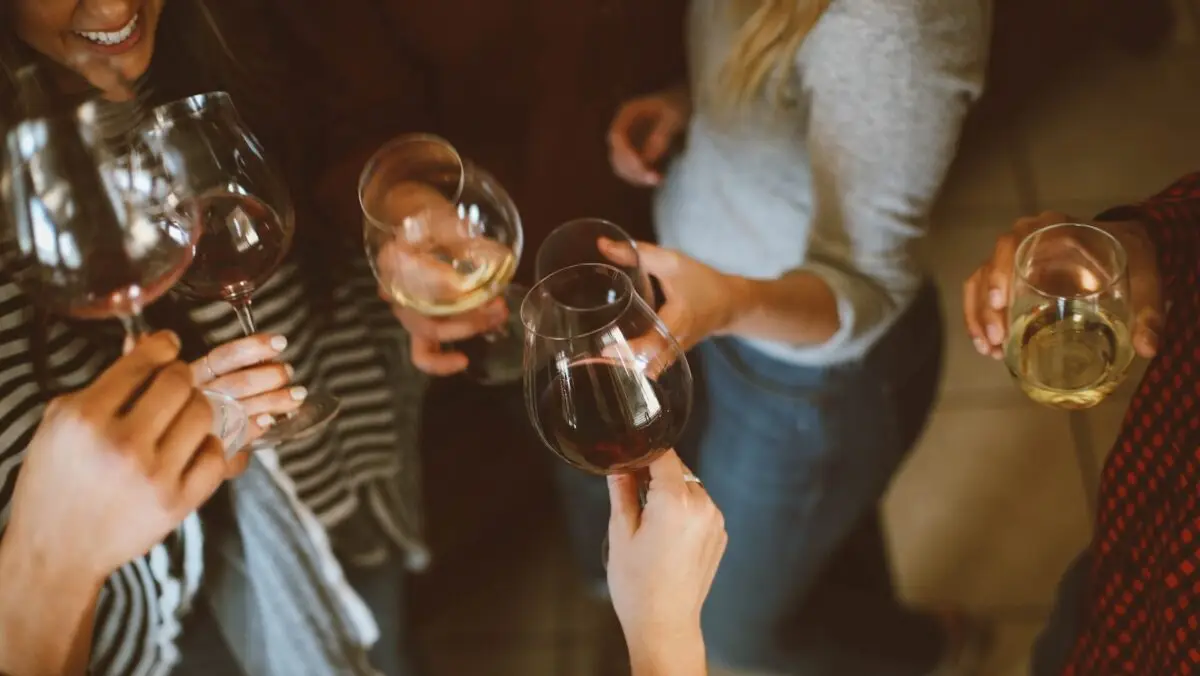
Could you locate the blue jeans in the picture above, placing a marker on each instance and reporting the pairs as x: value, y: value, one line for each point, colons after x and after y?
x: 797, y: 458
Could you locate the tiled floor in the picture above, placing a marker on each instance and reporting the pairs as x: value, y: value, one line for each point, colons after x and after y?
x: 998, y: 498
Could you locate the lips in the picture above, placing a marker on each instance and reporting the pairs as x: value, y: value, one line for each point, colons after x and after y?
x: 117, y: 40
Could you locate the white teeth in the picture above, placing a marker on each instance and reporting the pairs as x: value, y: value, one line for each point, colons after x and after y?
x: 110, y: 38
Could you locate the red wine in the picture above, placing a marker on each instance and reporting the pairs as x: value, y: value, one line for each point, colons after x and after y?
x: 118, y: 299
x: 604, y: 418
x: 242, y: 242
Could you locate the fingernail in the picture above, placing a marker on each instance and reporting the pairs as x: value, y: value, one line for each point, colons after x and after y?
x: 279, y: 343
x: 289, y: 370
x: 982, y: 346
x: 996, y: 299
x: 265, y: 420
x: 995, y: 334
x: 298, y: 393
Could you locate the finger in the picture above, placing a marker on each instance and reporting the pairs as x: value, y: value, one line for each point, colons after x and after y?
x: 666, y: 475
x: 972, y: 313
x: 274, y: 403
x: 457, y: 327
x: 1145, y: 295
x: 253, y: 381
x: 625, y: 512
x: 186, y: 433
x: 623, y: 254
x: 237, y: 355
x: 658, y: 141
x: 627, y: 161
x: 203, y: 475
x: 237, y: 464
x: 998, y: 281
x: 168, y: 393
x: 429, y: 358
x: 116, y: 385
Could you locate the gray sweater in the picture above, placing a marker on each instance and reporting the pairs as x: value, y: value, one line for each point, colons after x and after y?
x: 839, y: 179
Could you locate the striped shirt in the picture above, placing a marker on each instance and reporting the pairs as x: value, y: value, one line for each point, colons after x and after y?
x: 357, y: 479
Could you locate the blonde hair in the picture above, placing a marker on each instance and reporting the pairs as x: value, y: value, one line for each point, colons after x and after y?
x: 765, y: 45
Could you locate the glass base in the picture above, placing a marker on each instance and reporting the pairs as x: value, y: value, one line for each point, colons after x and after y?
x: 229, y: 421
x: 316, y: 412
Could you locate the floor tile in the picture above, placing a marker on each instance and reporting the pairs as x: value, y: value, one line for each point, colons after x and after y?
x: 1119, y: 128
x: 989, y: 510
x: 961, y: 240
x: 501, y: 659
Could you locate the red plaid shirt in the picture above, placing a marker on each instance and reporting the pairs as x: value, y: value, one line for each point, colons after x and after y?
x: 1143, y: 611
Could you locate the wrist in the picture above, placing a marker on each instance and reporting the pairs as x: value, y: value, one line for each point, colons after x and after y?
x: 678, y: 652
x: 740, y: 300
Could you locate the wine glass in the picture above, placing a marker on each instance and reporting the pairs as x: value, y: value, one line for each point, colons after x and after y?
x: 243, y: 212
x: 443, y: 237
x: 578, y: 241
x: 1069, y: 340
x: 90, y: 233
x: 607, y: 387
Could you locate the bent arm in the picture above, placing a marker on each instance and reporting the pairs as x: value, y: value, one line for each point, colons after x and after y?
x: 888, y: 92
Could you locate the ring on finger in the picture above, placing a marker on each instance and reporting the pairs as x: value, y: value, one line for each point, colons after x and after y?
x: 690, y: 478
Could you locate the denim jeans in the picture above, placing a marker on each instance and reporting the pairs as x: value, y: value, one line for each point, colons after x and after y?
x: 797, y: 458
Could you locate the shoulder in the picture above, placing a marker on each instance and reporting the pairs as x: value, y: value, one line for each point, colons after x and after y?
x: 915, y: 39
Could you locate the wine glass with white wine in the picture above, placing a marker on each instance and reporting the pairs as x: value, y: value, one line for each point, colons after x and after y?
x: 1069, y: 317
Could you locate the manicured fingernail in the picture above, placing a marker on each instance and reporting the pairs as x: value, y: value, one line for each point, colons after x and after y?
x: 996, y: 299
x: 982, y: 346
x: 995, y: 333
x: 289, y: 370
x: 265, y: 420
x: 298, y: 393
x: 279, y: 343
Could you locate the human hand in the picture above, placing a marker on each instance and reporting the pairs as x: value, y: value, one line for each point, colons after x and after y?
x: 246, y: 369
x: 699, y: 301
x: 661, y: 562
x: 987, y: 292
x: 642, y: 132
x: 106, y: 478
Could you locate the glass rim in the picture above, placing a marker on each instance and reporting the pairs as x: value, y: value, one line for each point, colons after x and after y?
x: 1027, y: 242
x: 562, y: 229
x: 373, y: 162
x: 626, y: 300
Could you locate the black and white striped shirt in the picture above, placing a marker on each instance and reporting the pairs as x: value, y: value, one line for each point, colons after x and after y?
x: 362, y: 468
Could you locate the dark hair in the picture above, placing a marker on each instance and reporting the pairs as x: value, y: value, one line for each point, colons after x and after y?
x: 200, y: 47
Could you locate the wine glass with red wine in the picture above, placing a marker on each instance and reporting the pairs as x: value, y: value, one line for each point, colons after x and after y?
x: 242, y: 209
x: 443, y: 238
x: 91, y: 234
x: 607, y: 387
x: 578, y: 241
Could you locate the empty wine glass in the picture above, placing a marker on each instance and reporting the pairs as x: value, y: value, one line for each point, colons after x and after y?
x: 1069, y: 344
x: 607, y: 387
x: 443, y: 238
x: 90, y: 234
x: 578, y: 241
x: 244, y: 215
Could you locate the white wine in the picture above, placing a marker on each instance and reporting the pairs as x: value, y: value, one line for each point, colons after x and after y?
x: 444, y: 281
x: 1068, y: 354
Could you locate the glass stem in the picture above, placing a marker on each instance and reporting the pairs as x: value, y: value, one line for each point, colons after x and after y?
x: 136, y: 327
x: 245, y: 317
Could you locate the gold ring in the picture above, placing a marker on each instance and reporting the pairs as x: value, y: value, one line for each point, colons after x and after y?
x: 690, y: 478
x: 212, y: 375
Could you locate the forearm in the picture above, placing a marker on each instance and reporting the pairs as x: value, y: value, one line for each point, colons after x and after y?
x: 799, y: 308
x: 46, y: 614
x: 681, y: 655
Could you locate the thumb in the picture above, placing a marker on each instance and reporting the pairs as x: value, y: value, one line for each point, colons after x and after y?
x: 626, y: 512
x: 658, y: 262
x: 1145, y: 299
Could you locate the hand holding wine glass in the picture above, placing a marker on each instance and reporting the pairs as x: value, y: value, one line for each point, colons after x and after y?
x: 1071, y: 312
x: 244, y: 214
x: 662, y: 561
x: 443, y: 238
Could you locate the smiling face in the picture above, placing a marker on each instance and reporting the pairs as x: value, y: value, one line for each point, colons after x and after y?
x: 71, y: 32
